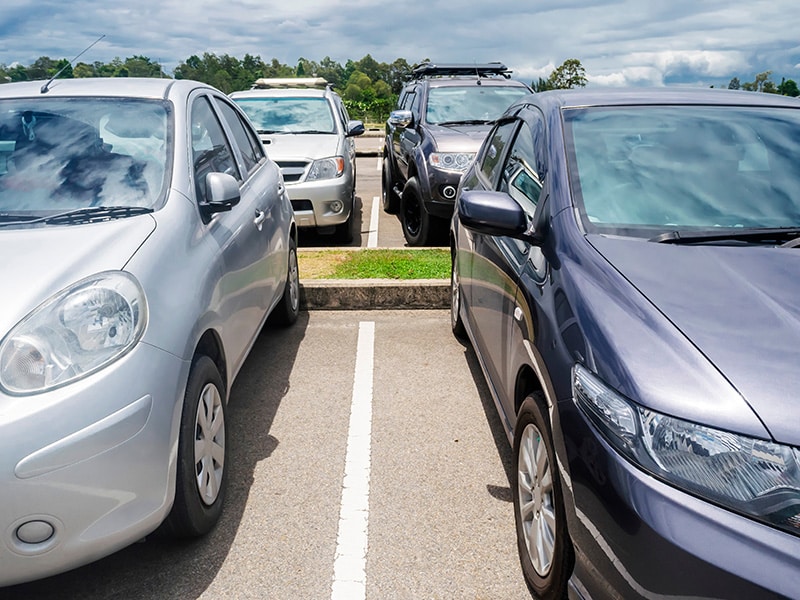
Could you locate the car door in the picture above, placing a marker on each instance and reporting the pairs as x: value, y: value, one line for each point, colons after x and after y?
x: 405, y: 139
x: 238, y: 234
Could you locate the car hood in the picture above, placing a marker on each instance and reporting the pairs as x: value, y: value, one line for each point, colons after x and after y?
x: 459, y: 138
x: 737, y: 305
x: 44, y: 260
x: 309, y: 146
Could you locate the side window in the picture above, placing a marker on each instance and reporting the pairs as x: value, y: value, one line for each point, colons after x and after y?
x: 493, y: 152
x: 521, y: 178
x: 407, y: 100
x: 210, y: 150
x: 251, y: 153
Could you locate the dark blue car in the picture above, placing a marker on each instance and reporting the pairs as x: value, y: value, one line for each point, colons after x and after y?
x: 626, y: 265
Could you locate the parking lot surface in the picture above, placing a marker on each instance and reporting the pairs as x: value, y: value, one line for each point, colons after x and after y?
x: 366, y: 461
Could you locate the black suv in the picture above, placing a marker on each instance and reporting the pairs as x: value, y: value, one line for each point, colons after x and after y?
x: 443, y: 114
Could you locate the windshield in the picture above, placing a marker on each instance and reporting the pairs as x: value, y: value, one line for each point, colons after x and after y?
x: 474, y: 103
x: 648, y: 169
x: 58, y: 155
x: 289, y: 115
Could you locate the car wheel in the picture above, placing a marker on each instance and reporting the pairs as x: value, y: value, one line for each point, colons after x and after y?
x: 389, y: 198
x: 545, y: 550
x: 288, y: 308
x: 201, y: 476
x: 416, y: 220
x: 455, y: 301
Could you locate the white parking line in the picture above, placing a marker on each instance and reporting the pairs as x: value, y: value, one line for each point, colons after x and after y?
x: 372, y: 240
x: 350, y: 564
x: 380, y: 164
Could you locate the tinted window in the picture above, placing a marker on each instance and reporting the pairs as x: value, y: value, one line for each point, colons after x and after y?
x: 210, y: 150
x: 665, y: 168
x: 251, y: 149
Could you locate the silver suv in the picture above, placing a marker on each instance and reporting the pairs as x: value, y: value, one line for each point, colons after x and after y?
x: 305, y: 128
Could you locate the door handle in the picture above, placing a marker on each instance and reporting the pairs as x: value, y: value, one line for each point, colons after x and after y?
x: 281, y: 189
x: 261, y: 216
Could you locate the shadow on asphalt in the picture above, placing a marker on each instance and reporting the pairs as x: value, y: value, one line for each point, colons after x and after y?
x: 181, y: 570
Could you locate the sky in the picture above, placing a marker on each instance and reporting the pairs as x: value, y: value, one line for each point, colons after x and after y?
x: 619, y: 43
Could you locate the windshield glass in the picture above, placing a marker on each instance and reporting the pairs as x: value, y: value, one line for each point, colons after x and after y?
x: 648, y: 169
x: 289, y: 115
x: 470, y: 103
x: 63, y: 154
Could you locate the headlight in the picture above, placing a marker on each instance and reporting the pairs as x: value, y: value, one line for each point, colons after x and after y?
x: 451, y: 161
x: 755, y: 477
x: 326, y: 168
x: 76, y: 332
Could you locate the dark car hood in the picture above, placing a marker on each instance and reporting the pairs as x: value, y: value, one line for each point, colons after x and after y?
x: 459, y: 138
x: 740, y: 306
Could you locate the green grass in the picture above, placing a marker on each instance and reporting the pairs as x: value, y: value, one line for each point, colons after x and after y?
x: 427, y: 263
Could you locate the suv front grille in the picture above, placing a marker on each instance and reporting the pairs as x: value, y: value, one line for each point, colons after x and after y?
x: 292, y: 170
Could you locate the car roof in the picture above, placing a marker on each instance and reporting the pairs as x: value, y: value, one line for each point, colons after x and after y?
x: 124, y: 87
x: 587, y: 97
x: 281, y: 92
x: 461, y: 81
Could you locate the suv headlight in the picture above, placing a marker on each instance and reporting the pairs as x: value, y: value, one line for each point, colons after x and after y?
x: 76, y: 332
x: 451, y: 161
x: 755, y: 477
x: 326, y: 168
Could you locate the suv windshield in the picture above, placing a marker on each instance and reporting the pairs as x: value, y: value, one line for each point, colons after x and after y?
x: 58, y: 155
x: 467, y: 104
x: 646, y: 170
x: 289, y: 115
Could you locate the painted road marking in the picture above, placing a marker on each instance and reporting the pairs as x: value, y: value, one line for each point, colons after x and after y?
x: 350, y: 564
x: 372, y: 240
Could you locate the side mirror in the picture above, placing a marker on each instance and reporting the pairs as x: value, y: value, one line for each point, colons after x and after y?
x: 222, y: 193
x: 401, y: 118
x: 494, y: 213
x: 355, y: 128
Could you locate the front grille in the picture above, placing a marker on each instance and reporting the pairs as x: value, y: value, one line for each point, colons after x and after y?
x: 292, y: 170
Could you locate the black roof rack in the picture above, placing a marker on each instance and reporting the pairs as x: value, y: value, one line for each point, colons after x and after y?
x: 428, y: 69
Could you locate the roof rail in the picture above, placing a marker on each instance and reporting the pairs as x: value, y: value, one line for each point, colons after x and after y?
x: 428, y: 69
x: 290, y: 82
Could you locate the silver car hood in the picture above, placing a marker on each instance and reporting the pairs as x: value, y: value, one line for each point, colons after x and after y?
x: 309, y: 146
x: 39, y: 262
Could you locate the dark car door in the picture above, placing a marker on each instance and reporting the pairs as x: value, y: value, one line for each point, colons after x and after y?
x: 405, y: 139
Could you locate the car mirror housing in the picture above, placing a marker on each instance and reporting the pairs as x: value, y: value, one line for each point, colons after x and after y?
x: 401, y: 118
x: 222, y: 193
x: 355, y: 128
x: 494, y: 213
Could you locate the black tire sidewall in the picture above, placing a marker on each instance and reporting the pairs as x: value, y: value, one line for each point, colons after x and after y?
x: 389, y: 199
x: 456, y: 323
x: 286, y: 313
x: 190, y: 516
x: 411, y: 194
x: 554, y: 585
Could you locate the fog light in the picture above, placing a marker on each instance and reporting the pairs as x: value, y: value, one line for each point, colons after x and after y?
x: 336, y: 206
x: 449, y: 192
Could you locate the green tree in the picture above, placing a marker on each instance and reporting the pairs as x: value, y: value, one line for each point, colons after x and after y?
x: 788, y: 87
x: 569, y: 74
x: 734, y: 84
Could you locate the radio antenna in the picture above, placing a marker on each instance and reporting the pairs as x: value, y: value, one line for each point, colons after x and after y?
x: 46, y: 86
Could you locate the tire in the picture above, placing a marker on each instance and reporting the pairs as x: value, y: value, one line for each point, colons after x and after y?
x: 288, y: 309
x: 201, y: 475
x: 390, y: 201
x: 457, y: 325
x: 415, y: 219
x: 545, y: 550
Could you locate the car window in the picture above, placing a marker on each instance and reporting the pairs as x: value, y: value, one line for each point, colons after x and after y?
x: 210, y: 150
x: 493, y: 152
x: 453, y: 104
x: 663, y: 168
x: 60, y: 153
x: 251, y: 150
x: 520, y: 176
x: 283, y: 114
x: 407, y: 100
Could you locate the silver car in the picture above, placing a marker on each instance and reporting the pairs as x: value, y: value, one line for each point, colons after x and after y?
x: 306, y: 129
x: 146, y: 238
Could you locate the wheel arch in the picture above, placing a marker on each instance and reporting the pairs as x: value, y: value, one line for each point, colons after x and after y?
x: 210, y: 345
x: 527, y: 383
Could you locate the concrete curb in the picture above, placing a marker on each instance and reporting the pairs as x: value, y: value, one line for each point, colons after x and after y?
x: 369, y: 294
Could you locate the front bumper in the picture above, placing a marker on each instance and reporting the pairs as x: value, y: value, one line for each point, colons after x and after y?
x: 638, y: 537
x: 314, y: 202
x: 89, y: 468
x: 440, y: 194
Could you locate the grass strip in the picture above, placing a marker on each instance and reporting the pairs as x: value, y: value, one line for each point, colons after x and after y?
x: 375, y: 263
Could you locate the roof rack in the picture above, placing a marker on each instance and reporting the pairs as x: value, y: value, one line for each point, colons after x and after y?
x: 428, y: 69
x: 290, y: 82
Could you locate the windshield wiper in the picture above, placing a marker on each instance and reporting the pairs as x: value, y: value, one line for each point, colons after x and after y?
x: 267, y: 131
x: 749, y: 234
x: 79, y: 215
x: 466, y: 122
x: 305, y: 131
x: 6, y: 218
